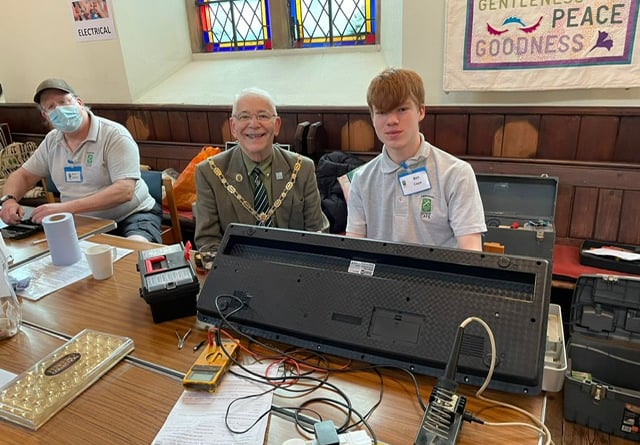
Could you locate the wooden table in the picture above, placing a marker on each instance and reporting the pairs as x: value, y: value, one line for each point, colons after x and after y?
x: 398, y: 417
x: 128, y: 405
x: 23, y: 250
x: 115, y: 306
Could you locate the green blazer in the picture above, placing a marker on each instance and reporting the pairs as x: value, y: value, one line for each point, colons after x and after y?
x: 216, y: 207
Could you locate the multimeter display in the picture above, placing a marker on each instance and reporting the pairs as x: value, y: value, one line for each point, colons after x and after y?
x: 208, y: 369
x: 202, y: 374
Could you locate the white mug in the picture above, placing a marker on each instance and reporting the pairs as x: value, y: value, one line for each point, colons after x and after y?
x: 100, y: 259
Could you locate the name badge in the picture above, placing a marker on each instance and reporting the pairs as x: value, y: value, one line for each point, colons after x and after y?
x: 73, y: 174
x: 414, y: 181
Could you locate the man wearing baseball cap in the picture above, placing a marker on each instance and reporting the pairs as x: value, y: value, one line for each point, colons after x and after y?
x: 93, y: 162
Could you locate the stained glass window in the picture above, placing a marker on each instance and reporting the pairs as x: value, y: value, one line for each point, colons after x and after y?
x: 238, y: 25
x: 333, y: 22
x: 235, y: 25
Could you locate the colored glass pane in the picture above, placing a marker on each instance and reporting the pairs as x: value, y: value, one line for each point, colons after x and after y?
x: 235, y: 25
x: 333, y: 22
x: 238, y: 25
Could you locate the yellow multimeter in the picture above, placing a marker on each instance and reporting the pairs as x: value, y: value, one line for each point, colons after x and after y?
x: 208, y: 369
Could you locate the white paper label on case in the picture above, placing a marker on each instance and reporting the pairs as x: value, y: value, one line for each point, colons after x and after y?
x: 361, y: 268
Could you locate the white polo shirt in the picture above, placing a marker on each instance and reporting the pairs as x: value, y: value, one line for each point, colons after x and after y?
x: 450, y: 207
x: 108, y: 154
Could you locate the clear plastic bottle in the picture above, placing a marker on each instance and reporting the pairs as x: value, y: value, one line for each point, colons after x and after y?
x: 10, y: 310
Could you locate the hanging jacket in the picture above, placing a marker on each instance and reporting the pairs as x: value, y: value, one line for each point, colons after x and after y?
x: 330, y: 167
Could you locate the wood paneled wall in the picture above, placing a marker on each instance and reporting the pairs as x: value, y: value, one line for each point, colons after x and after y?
x: 595, y: 134
x: 592, y: 150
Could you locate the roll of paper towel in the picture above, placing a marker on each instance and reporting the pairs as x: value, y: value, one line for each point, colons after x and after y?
x: 62, y: 239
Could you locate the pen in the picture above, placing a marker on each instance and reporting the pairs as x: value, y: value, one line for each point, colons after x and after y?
x: 38, y: 241
x: 198, y: 346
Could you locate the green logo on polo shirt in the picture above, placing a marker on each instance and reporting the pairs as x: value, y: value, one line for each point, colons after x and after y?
x: 89, y: 159
x: 426, y: 205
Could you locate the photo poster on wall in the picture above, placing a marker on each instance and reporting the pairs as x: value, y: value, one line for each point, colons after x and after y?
x: 92, y: 20
x: 520, y: 45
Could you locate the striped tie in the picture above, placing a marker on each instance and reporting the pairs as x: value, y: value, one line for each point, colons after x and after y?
x: 260, y: 198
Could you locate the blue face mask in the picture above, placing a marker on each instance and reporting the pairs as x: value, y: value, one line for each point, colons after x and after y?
x: 66, y: 118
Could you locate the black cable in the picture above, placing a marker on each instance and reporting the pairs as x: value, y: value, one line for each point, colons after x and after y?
x: 293, y: 412
x: 469, y: 417
x: 345, y: 403
x: 225, y: 321
x: 350, y: 409
x: 375, y: 405
x: 226, y: 414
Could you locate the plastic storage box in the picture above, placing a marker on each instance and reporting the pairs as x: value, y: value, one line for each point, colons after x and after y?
x: 555, y: 358
x: 602, y: 389
x: 168, y: 282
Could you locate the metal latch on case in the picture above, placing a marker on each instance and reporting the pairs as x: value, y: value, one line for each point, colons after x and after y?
x: 598, y: 392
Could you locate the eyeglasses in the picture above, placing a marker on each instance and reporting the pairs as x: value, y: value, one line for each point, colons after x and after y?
x: 69, y: 99
x: 261, y: 117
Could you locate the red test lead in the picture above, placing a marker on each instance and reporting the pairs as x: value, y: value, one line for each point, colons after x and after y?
x: 187, y: 250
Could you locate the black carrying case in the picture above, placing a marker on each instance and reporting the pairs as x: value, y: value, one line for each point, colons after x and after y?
x: 21, y: 230
x: 383, y: 303
x: 601, y: 388
x: 609, y: 262
x: 519, y: 212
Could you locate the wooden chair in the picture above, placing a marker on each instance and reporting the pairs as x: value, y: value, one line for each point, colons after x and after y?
x: 5, y: 135
x: 171, y: 231
x: 50, y: 190
x: 176, y: 230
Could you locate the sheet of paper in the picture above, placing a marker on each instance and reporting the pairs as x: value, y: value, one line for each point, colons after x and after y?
x: 198, y: 416
x: 5, y: 377
x: 622, y: 254
x: 47, y: 278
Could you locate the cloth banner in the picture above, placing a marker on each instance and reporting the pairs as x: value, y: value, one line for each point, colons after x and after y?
x: 519, y: 45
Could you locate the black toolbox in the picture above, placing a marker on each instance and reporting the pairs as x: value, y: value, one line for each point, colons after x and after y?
x: 168, y: 282
x: 610, y: 262
x: 602, y: 388
x: 519, y: 212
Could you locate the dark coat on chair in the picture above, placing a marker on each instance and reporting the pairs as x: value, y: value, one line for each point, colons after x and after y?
x: 330, y: 167
x: 216, y: 207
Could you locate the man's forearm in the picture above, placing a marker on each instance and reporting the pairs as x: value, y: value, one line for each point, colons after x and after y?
x: 18, y: 184
x: 106, y: 198
x: 470, y: 242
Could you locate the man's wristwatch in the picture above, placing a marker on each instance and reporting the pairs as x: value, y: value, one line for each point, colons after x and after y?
x: 5, y: 198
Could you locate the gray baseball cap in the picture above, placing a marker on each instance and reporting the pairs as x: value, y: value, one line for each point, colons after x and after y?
x: 48, y: 84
